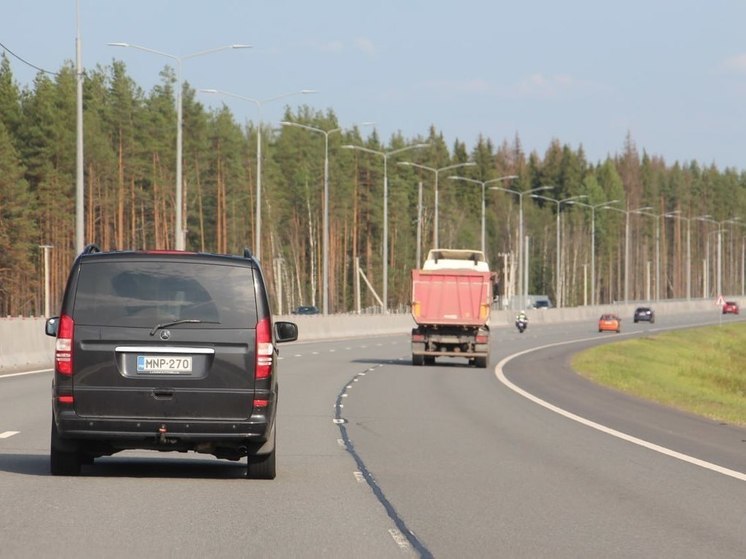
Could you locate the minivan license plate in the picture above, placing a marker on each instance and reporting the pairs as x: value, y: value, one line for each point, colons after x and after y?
x: 169, y: 364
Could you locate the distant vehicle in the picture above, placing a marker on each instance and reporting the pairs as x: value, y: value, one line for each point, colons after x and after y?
x: 306, y: 309
x: 542, y: 304
x: 521, y: 323
x: 610, y: 322
x: 730, y: 307
x: 451, y: 302
x: 644, y: 313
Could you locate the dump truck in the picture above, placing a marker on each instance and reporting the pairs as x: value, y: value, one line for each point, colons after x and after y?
x: 451, y: 303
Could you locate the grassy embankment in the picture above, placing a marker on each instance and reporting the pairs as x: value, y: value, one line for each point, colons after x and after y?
x: 701, y: 370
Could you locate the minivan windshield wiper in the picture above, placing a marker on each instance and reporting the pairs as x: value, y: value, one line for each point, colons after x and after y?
x: 183, y: 321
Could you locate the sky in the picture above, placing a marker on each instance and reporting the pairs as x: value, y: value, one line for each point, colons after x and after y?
x: 669, y: 74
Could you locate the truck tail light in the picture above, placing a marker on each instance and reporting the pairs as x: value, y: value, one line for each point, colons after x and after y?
x: 63, y: 347
x: 484, y: 311
x: 482, y: 338
x: 264, y: 349
x: 418, y: 337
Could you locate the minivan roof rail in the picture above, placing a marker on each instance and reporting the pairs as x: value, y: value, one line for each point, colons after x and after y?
x: 91, y: 248
x: 247, y: 253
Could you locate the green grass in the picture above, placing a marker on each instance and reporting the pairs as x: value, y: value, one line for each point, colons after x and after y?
x: 701, y: 370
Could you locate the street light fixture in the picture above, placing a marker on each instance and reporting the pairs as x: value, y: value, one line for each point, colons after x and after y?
x: 325, y: 240
x: 676, y: 214
x: 437, y: 171
x: 179, y: 231
x: 626, y: 243
x: 593, y: 241
x: 558, y: 283
x: 46, y: 249
x: 386, y: 155
x: 258, y: 103
x: 483, y: 185
x: 657, y: 248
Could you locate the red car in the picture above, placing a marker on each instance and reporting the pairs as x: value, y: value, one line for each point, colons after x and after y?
x: 730, y: 307
x: 610, y: 323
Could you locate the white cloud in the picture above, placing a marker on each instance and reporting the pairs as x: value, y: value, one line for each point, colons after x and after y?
x: 735, y: 64
x: 366, y: 45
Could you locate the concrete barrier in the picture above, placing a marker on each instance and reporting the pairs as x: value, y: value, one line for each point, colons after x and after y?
x: 24, y: 345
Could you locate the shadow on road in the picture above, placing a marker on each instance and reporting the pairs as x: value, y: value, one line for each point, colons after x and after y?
x: 121, y: 465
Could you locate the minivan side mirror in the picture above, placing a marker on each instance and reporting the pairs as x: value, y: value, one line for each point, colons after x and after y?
x: 50, y: 328
x: 286, y: 331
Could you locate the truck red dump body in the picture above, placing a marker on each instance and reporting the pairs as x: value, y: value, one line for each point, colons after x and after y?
x: 458, y: 297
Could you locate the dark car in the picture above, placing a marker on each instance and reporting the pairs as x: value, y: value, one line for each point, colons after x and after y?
x: 644, y: 313
x: 306, y: 309
x: 730, y: 307
x: 166, y: 351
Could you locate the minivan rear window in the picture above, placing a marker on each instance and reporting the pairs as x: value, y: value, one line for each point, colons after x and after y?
x: 141, y: 293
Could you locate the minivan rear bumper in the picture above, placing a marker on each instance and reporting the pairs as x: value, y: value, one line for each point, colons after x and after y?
x: 165, y: 434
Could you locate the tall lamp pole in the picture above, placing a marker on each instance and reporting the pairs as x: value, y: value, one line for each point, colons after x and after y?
x: 676, y: 214
x: 386, y: 155
x: 483, y: 184
x: 79, y: 183
x: 325, y: 239
x: 558, y: 288
x: 179, y: 231
x: 46, y: 248
x: 522, y: 253
x: 436, y: 240
x: 593, y: 241
x: 259, y: 103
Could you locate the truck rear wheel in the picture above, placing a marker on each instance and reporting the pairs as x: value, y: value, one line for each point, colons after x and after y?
x: 418, y: 360
x: 429, y: 360
x: 481, y: 362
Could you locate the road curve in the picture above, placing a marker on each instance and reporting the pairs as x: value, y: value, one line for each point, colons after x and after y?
x: 378, y: 458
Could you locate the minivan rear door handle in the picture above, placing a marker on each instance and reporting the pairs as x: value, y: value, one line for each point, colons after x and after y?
x: 163, y: 394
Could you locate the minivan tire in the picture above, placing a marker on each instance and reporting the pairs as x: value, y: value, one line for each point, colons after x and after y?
x: 263, y: 466
x: 63, y: 462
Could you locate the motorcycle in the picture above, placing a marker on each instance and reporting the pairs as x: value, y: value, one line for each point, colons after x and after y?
x: 521, y: 324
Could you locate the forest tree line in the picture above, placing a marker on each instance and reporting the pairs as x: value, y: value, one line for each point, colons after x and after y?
x: 674, y: 214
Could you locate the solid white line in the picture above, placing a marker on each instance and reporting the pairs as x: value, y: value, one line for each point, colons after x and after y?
x: 25, y: 373
x: 8, y: 434
x: 634, y: 440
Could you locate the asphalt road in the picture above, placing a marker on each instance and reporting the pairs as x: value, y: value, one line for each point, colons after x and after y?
x: 378, y: 458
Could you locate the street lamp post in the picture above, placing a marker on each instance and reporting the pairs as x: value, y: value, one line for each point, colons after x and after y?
x: 676, y: 214
x: 259, y: 103
x: 46, y: 249
x: 522, y: 254
x: 386, y: 155
x: 626, y: 243
x: 179, y: 231
x: 437, y: 171
x: 483, y: 184
x: 325, y: 238
x: 657, y: 249
x: 557, y: 280
x: 593, y: 241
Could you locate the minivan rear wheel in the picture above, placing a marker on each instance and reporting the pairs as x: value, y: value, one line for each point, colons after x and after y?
x: 64, y: 457
x: 263, y: 466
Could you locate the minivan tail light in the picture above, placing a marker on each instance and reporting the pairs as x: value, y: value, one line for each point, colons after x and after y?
x: 63, y: 347
x: 264, y: 349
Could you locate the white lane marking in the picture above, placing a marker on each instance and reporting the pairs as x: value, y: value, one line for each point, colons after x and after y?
x: 8, y: 434
x: 26, y: 373
x: 359, y: 477
x: 614, y: 433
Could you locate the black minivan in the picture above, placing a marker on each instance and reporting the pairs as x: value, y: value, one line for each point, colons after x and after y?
x: 168, y: 351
